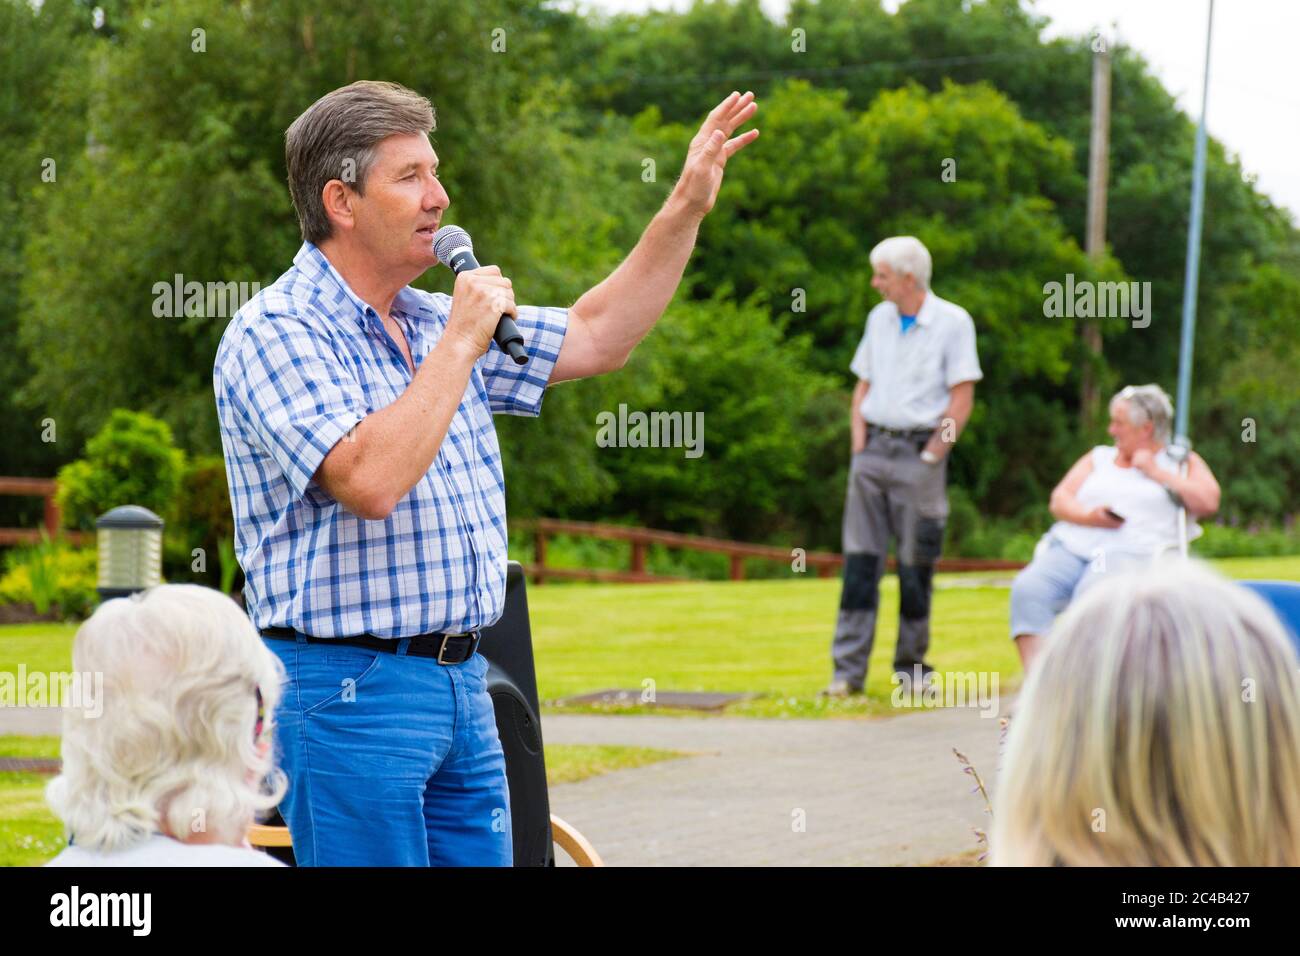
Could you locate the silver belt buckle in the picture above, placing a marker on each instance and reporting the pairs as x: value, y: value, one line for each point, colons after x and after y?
x: 443, y: 649
x: 474, y: 639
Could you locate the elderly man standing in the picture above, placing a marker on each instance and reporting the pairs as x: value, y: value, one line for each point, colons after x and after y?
x: 365, y: 474
x: 917, y: 368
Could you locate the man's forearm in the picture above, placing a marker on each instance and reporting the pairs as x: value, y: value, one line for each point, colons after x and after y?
x: 953, y: 421
x: 390, y: 450
x: 622, y: 309
x: 858, y: 424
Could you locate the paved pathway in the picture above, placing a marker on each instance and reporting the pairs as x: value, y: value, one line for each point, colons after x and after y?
x: 871, y: 792
x: 31, y: 721
x: 868, y: 792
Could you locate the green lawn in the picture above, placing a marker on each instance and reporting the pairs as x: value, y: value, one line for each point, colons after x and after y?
x: 765, y: 637
x: 770, y: 637
x: 42, y: 647
x: 30, y: 834
x: 570, y: 763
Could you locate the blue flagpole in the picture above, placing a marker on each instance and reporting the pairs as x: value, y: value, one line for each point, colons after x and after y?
x: 1182, y: 445
x: 1191, y: 274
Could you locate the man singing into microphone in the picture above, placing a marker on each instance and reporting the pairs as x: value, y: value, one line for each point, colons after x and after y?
x: 365, y: 475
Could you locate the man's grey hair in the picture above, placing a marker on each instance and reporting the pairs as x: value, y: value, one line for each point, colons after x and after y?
x: 1147, y: 403
x: 337, y: 137
x: 906, y: 255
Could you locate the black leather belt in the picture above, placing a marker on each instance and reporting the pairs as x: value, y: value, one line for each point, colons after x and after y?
x: 444, y: 648
x: 911, y: 433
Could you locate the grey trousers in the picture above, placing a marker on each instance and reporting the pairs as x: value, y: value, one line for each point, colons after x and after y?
x: 892, y: 493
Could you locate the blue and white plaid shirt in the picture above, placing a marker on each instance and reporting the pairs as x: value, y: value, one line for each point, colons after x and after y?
x: 299, y: 365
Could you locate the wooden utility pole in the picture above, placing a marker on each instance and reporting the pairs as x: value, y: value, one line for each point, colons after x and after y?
x: 1098, y: 168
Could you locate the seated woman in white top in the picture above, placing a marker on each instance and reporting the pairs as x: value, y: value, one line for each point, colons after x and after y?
x: 172, y: 765
x: 1115, y: 510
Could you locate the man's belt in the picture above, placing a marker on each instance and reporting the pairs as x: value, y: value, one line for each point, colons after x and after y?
x: 445, y: 648
x: 901, y: 432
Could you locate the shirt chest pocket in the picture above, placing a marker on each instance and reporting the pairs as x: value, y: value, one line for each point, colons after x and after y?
x: 921, y: 360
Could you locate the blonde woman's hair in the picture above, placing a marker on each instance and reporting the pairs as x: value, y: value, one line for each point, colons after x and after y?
x: 174, y: 744
x: 1161, y: 727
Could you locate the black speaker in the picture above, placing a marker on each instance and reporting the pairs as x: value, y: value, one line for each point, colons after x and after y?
x: 512, y: 684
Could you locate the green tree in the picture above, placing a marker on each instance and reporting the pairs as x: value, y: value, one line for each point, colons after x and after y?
x: 34, y: 153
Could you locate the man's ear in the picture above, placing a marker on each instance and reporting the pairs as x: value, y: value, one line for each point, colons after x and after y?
x: 337, y: 198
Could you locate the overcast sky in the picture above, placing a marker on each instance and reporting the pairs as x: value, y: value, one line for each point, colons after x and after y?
x: 1254, y: 106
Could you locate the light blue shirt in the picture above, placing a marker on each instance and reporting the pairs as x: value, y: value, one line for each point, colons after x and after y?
x: 299, y: 365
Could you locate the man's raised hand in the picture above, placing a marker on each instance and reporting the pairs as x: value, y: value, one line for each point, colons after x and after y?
x: 710, y: 149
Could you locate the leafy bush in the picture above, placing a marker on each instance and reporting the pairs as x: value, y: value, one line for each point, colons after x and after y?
x: 576, y: 551
x: 1225, y: 541
x: 201, y: 519
x: 970, y: 534
x: 130, y: 461
x: 51, y: 575
x: 763, y: 438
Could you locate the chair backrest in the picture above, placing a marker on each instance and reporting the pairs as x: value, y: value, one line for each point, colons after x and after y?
x: 1284, y: 597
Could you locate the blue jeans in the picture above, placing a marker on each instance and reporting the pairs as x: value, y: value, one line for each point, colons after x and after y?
x: 392, y: 760
x: 1055, y: 577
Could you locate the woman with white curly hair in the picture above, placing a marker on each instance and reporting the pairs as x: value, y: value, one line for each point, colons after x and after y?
x: 179, y: 762
x: 1161, y: 727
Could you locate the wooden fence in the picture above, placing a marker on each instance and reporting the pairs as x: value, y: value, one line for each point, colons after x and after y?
x: 35, y: 488
x: 825, y: 563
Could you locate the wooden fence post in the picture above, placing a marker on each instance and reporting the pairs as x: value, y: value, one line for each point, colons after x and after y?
x: 51, y: 515
x: 539, y: 546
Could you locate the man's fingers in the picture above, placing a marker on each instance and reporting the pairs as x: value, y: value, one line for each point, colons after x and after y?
x: 740, y: 142
x: 730, y: 113
x: 723, y: 109
x: 742, y: 115
x: 739, y: 105
x: 742, y: 102
x: 483, y: 277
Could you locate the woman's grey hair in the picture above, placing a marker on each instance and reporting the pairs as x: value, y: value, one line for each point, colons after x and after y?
x: 906, y: 255
x: 337, y: 138
x: 174, y: 743
x: 1147, y: 403
x: 1161, y: 727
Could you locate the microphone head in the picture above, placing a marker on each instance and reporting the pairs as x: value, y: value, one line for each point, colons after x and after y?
x: 447, y: 240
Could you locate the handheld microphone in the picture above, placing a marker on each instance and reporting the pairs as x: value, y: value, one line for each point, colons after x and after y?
x: 453, y: 246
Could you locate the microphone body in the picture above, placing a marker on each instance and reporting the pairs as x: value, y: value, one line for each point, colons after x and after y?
x: 453, y: 247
